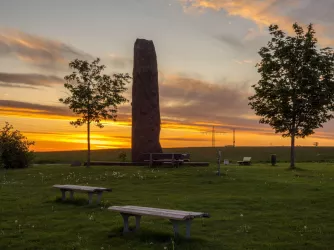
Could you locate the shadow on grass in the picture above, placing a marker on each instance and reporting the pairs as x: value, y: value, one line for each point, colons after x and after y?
x: 297, y: 169
x: 145, y: 235
x: 80, y: 202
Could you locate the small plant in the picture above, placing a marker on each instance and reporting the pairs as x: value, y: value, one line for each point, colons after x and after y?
x: 122, y: 156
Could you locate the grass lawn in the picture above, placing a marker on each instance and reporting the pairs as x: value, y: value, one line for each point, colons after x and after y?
x: 251, y: 207
x: 258, y: 154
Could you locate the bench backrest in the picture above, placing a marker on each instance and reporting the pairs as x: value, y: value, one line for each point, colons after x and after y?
x: 247, y: 159
x: 186, y: 156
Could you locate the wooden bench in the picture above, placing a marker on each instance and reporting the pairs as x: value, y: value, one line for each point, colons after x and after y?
x: 175, y: 216
x: 83, y: 189
x: 245, y: 161
x: 169, y: 158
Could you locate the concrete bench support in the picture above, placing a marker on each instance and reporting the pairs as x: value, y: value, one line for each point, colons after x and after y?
x: 72, y: 195
x: 63, y: 194
x: 126, y: 222
x: 176, y: 227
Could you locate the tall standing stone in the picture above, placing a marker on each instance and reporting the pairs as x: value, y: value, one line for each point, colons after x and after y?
x: 145, y: 101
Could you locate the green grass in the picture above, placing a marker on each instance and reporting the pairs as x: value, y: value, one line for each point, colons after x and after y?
x: 258, y: 154
x: 251, y: 207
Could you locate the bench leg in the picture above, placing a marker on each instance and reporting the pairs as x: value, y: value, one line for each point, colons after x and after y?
x: 90, y: 195
x: 150, y: 164
x: 138, y: 217
x: 175, y: 227
x: 63, y: 194
x: 126, y: 223
x: 72, y: 195
x: 188, y: 225
x: 99, y: 195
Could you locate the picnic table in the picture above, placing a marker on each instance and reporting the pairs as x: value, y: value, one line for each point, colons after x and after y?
x: 175, y: 216
x: 86, y: 189
x: 170, y: 158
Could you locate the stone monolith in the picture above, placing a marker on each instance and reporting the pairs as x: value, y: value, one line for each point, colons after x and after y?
x: 145, y: 101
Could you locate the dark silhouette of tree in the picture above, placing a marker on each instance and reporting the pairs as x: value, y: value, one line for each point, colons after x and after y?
x: 295, y: 94
x: 14, y: 148
x: 94, y: 96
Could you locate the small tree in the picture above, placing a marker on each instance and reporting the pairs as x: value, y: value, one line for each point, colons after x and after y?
x: 14, y: 148
x: 93, y: 96
x: 295, y: 94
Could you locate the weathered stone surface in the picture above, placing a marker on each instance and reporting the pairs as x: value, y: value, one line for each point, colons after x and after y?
x: 145, y: 101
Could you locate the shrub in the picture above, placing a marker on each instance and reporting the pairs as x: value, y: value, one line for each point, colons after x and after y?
x: 122, y: 156
x: 14, y: 148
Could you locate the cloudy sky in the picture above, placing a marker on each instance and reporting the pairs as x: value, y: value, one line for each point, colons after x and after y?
x: 207, y: 51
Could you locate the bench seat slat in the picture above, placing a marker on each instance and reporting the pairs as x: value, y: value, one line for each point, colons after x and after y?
x: 165, y: 160
x: 82, y: 188
x: 162, y: 209
x: 165, y: 213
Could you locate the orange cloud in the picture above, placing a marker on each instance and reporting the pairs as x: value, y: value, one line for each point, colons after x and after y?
x: 20, y: 80
x: 37, y: 50
x: 263, y: 13
x: 252, y: 10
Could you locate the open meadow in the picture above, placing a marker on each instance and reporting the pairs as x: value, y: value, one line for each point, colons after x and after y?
x: 251, y: 207
x: 209, y: 154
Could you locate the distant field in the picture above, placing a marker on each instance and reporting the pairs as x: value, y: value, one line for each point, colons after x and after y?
x: 258, y: 154
x: 252, y: 207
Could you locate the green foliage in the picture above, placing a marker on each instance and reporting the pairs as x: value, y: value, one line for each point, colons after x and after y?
x: 122, y: 156
x: 93, y: 96
x: 295, y: 94
x: 14, y: 148
x: 257, y: 207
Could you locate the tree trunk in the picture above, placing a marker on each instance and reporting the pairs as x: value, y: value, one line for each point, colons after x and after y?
x: 88, y: 143
x: 292, y: 153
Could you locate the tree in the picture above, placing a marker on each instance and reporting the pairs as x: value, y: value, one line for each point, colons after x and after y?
x: 94, y: 97
x: 14, y: 148
x: 295, y: 94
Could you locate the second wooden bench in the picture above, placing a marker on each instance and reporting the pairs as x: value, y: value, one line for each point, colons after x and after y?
x: 85, y: 189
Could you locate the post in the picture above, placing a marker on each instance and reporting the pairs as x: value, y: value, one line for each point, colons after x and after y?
x: 138, y: 217
x: 63, y: 194
x: 292, y: 151
x: 99, y: 195
x: 88, y: 144
x: 175, y: 227
x: 173, y: 160
x: 90, y: 195
x: 219, y: 159
x: 126, y: 223
x: 72, y: 194
x: 188, y: 225
x: 213, y: 136
x: 273, y: 159
x: 151, y: 160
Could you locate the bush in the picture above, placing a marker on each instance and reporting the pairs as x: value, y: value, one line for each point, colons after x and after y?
x: 122, y: 156
x: 14, y: 149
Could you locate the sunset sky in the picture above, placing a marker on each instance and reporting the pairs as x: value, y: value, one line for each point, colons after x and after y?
x: 207, y: 51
